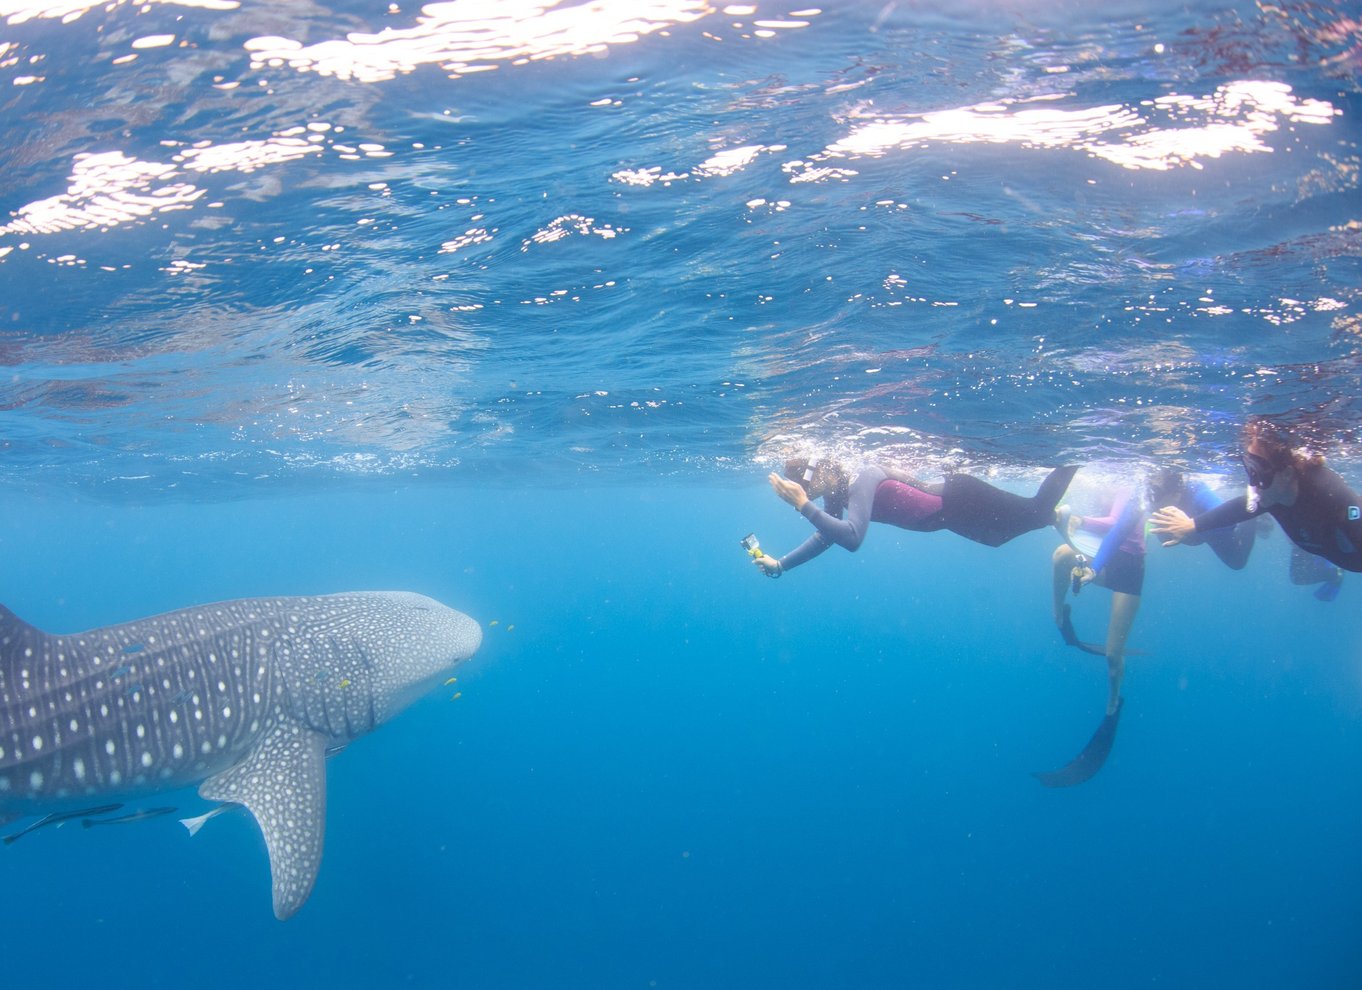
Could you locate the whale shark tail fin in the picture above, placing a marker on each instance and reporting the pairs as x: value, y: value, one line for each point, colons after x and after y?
x: 1085, y: 765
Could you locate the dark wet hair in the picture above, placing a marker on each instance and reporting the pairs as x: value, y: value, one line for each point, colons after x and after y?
x: 1272, y: 443
x: 803, y: 469
x: 1164, y: 486
x: 796, y: 468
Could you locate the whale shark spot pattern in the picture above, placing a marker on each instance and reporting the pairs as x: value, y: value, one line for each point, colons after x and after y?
x: 226, y: 695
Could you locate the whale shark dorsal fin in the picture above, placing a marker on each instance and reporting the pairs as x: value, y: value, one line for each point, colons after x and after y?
x: 282, y: 782
x: 15, y: 634
x: 13, y: 628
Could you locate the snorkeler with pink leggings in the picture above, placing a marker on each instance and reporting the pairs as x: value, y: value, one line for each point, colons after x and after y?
x: 962, y: 504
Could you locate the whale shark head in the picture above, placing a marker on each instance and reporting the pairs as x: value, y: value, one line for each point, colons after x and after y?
x: 357, y: 660
x: 416, y: 646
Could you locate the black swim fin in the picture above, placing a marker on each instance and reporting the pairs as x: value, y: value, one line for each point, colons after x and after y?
x: 1085, y: 765
x: 1066, y: 630
x: 1328, y: 591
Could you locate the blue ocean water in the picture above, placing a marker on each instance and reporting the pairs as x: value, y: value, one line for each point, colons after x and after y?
x: 515, y: 305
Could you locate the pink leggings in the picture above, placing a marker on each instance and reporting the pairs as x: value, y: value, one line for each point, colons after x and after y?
x: 907, y: 507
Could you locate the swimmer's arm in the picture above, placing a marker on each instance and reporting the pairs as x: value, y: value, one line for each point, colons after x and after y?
x: 1104, y: 524
x: 1122, y: 526
x: 803, y: 553
x: 1227, y: 513
x: 849, y: 532
x: 1175, y: 526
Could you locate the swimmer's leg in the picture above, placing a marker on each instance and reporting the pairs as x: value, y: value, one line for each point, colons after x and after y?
x: 979, y: 512
x: 1306, y: 568
x: 1233, y: 544
x: 1063, y: 561
x: 1123, y: 609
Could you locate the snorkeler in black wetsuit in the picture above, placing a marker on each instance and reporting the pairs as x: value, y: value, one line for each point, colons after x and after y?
x: 962, y: 504
x: 1313, y: 504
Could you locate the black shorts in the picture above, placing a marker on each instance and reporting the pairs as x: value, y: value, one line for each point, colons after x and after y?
x: 1124, y: 572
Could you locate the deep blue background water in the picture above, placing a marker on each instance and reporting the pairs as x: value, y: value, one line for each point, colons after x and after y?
x: 496, y: 363
x: 672, y: 770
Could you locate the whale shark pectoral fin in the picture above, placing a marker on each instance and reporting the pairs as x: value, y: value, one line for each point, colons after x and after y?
x: 283, y: 784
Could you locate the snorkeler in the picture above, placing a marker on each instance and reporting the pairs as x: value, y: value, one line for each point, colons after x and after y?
x: 1232, y: 544
x: 962, y: 504
x: 1117, y: 564
x: 1313, y: 504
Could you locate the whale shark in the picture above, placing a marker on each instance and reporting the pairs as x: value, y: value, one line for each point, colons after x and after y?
x: 244, y: 698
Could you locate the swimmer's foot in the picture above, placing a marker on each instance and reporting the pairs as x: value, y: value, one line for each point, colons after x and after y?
x: 1066, y: 628
x: 1066, y: 631
x: 1062, y: 516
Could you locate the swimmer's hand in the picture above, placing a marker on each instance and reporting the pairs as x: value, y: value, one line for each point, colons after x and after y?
x: 1081, y: 576
x: 1172, y: 523
x: 769, y: 566
x: 1067, y: 522
x: 789, y: 491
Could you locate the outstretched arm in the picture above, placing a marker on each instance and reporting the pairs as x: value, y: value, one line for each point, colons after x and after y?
x: 1172, y: 524
x: 1176, y: 526
x: 831, y: 527
x: 847, y: 532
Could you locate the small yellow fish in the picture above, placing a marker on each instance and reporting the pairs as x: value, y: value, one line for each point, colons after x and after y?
x: 494, y: 622
x: 457, y: 696
x: 450, y: 681
x: 511, y: 627
x: 345, y: 682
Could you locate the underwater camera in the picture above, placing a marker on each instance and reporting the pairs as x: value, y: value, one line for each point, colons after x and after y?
x: 752, y: 545
x: 1076, y: 575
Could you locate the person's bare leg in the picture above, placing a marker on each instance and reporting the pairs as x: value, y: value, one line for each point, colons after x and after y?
x: 1123, y: 609
x: 1063, y: 561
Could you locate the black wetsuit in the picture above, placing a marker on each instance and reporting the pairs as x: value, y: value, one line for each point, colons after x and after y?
x: 972, y: 508
x: 1325, y: 519
x: 1232, y: 544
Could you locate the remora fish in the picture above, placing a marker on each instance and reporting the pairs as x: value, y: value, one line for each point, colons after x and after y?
x: 57, y: 817
x: 140, y: 815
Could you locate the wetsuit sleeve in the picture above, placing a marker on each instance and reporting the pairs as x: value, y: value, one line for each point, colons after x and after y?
x: 1105, y: 524
x: 1123, y: 524
x: 848, y: 532
x: 1198, y: 499
x: 1227, y: 513
x: 805, y: 552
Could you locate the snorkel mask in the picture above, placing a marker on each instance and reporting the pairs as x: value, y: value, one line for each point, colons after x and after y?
x: 1259, y: 470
